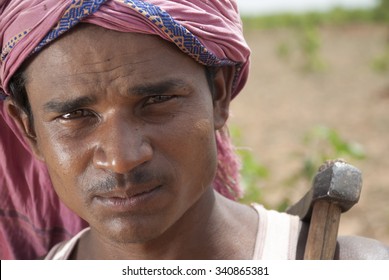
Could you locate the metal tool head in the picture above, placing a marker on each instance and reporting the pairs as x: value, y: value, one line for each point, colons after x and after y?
x: 339, y: 182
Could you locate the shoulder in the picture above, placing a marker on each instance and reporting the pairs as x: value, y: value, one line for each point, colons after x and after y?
x: 361, y: 248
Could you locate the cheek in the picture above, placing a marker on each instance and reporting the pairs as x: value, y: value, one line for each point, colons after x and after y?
x: 62, y: 155
x: 60, y: 150
x: 190, y: 139
x: 203, y: 136
x: 194, y: 151
x: 206, y: 149
x: 65, y: 162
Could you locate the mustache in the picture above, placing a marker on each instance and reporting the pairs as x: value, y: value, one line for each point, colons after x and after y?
x: 111, y: 181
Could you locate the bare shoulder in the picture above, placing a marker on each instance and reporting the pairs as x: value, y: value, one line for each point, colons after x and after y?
x: 361, y: 248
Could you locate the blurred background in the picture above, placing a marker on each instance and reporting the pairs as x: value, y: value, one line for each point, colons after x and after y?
x: 318, y: 89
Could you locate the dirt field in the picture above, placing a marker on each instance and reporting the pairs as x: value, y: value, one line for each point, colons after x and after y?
x: 281, y: 103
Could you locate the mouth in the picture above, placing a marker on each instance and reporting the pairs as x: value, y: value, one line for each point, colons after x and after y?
x: 126, y: 200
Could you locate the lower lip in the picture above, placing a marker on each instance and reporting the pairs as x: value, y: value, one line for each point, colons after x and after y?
x: 131, y: 203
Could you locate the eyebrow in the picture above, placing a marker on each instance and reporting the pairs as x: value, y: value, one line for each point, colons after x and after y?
x: 65, y: 106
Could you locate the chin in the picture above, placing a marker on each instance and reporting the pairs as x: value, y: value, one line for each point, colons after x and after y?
x: 133, y: 229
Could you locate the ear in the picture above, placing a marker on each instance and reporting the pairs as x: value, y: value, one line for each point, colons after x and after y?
x: 222, y: 97
x: 25, y: 126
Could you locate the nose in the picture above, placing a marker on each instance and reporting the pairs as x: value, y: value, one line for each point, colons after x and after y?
x: 121, y: 146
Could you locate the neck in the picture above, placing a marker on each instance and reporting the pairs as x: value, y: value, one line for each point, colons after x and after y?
x: 199, y: 234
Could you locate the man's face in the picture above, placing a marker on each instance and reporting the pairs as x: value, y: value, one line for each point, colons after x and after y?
x: 125, y: 123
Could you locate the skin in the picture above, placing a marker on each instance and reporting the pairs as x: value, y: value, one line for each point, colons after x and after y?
x: 123, y: 128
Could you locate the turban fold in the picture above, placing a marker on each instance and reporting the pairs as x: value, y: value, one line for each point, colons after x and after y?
x: 32, y: 219
x: 208, y: 31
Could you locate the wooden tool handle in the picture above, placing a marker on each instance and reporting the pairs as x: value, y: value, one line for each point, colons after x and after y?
x: 323, y: 231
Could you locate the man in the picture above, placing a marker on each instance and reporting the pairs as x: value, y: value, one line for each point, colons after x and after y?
x: 125, y: 103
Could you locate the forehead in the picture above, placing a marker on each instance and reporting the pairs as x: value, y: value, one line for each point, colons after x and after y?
x: 90, y: 54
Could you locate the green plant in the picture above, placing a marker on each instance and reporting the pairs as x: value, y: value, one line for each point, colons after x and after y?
x: 382, y: 11
x: 323, y: 143
x: 252, y: 171
x: 336, y: 16
x: 283, y: 51
x: 320, y: 143
x: 310, y: 44
x: 380, y: 64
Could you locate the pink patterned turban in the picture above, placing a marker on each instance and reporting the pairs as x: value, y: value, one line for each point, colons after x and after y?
x: 209, y: 31
x: 32, y: 219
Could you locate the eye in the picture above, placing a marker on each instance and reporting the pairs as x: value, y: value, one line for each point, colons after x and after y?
x: 76, y: 114
x: 159, y: 99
